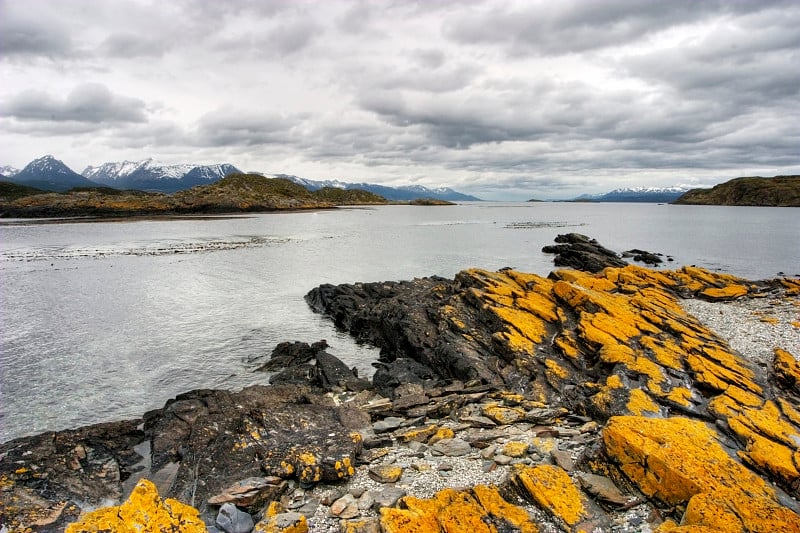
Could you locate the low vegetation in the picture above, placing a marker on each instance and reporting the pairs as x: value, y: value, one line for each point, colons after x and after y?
x: 780, y: 191
x: 232, y: 194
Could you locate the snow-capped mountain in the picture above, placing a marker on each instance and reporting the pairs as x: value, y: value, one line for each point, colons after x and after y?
x: 7, y: 171
x: 400, y: 194
x: 638, y: 194
x: 50, y: 174
x: 151, y: 175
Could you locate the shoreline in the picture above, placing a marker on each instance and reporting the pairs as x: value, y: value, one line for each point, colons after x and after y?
x: 417, y: 438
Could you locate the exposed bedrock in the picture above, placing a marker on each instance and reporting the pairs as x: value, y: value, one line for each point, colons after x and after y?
x: 596, y: 392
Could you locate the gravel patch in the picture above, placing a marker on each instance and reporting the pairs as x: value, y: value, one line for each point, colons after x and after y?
x: 754, y: 327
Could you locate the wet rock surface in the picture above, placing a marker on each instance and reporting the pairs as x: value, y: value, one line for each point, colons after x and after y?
x: 504, y: 401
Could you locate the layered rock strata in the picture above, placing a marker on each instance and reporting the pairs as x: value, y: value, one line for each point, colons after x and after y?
x: 503, y: 401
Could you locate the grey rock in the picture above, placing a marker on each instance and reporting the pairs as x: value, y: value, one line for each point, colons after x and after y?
x: 388, y: 424
x: 602, y: 488
x: 387, y: 497
x: 366, y: 501
x: 385, y: 473
x: 231, y: 520
x: 453, y: 447
x: 563, y: 459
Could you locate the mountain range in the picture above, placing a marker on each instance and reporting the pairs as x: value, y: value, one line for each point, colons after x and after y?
x: 637, y: 194
x: 50, y: 174
x: 396, y: 194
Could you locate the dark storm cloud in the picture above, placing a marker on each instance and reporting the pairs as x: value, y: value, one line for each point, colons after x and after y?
x: 23, y: 35
x: 87, y: 103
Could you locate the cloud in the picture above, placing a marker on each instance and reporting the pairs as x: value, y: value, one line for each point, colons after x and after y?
x: 242, y: 127
x: 88, y: 103
x: 23, y: 35
x: 575, y: 26
x: 128, y: 45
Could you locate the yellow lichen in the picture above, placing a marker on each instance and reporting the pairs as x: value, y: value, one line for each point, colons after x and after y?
x: 639, y: 403
x: 441, y: 433
x: 143, y: 512
x: 453, y: 511
x: 515, y: 449
x: 551, y: 488
x: 419, y: 434
x: 676, y: 459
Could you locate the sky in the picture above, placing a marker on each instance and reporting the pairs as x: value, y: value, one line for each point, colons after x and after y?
x: 505, y: 100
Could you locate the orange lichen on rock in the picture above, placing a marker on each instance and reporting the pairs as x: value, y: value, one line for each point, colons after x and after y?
x: 143, y: 512
x: 477, y: 510
x: 728, y: 292
x: 551, y: 488
x: 677, y: 459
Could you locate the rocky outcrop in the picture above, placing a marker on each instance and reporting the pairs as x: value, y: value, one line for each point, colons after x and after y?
x: 576, y: 402
x: 582, y: 253
x: 780, y: 191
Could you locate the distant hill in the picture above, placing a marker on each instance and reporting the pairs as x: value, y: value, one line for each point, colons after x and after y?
x: 395, y: 194
x: 348, y: 196
x: 12, y: 191
x: 49, y: 174
x: 637, y: 194
x: 236, y: 193
x: 780, y: 191
x: 149, y: 175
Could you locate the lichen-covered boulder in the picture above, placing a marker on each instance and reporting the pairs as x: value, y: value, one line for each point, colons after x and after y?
x: 143, y: 512
x: 682, y: 462
x: 480, y: 509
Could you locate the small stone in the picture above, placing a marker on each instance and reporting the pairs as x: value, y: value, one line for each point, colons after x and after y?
x: 418, y: 434
x: 389, y: 423
x: 404, y: 402
x: 281, y: 522
x: 417, y: 447
x: 502, y: 459
x: 387, y: 497
x: 444, y: 467
x: 366, y: 501
x: 309, y: 508
x: 515, y: 449
x: 488, y: 453
x: 602, y: 488
x: 334, y: 495
x: 452, y: 447
x: 478, y: 421
x: 503, y: 415
x: 345, y: 507
x: 232, y: 520
x: 563, y: 459
x: 443, y: 433
x: 385, y: 473
x: 364, y: 525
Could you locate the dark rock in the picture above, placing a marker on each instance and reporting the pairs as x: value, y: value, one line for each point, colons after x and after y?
x: 334, y: 374
x: 288, y: 354
x: 400, y: 372
x: 643, y: 256
x: 582, y: 253
x: 302, y: 374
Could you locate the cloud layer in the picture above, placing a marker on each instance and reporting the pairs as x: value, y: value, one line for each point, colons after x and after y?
x: 499, y: 99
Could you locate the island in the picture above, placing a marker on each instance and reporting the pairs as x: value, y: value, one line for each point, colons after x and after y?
x: 235, y: 193
x: 779, y: 191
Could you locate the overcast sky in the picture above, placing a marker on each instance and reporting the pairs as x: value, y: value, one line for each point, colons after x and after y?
x: 501, y: 99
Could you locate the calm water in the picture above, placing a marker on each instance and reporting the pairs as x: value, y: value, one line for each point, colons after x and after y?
x: 103, y: 321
